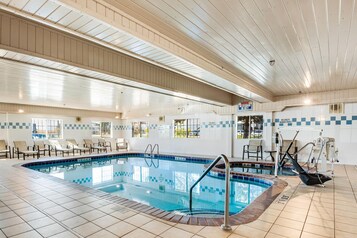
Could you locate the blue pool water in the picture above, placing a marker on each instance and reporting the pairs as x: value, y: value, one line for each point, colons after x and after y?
x: 161, y: 182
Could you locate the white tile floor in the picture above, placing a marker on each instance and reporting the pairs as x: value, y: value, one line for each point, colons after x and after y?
x: 33, y: 206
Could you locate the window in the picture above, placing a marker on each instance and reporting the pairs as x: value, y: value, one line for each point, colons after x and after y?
x: 187, y: 128
x: 140, y: 129
x: 102, y: 129
x: 250, y: 127
x: 96, y: 128
x: 47, y: 128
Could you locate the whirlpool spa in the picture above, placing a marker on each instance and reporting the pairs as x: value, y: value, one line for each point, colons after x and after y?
x: 159, y: 185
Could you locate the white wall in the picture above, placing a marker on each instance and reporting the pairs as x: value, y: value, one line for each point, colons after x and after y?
x: 216, y: 130
x: 215, y: 137
x: 342, y: 127
x: 15, y: 127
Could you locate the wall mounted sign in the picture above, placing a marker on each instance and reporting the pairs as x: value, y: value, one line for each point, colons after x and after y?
x: 245, y: 106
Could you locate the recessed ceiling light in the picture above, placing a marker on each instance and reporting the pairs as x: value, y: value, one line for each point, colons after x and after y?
x: 307, y: 101
x: 116, y: 117
x: 21, y: 111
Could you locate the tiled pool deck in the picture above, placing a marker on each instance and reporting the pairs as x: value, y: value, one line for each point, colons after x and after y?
x: 35, y: 206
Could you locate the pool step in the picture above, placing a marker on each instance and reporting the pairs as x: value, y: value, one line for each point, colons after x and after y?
x: 186, y: 212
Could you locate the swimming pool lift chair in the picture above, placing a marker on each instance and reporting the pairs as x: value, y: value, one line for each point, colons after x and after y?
x: 309, y: 178
x: 5, y: 149
x: 20, y: 147
x: 306, y: 177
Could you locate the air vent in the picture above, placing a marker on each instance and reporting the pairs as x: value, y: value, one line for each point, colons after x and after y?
x: 336, y: 108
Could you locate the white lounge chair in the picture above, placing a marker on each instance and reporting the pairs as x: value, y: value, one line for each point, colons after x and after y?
x: 88, y: 143
x: 60, y: 147
x: 121, y: 144
x: 72, y: 144
x: 5, y: 149
x: 20, y: 147
x: 102, y: 142
x: 42, y: 147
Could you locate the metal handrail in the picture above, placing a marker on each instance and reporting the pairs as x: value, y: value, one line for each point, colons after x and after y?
x: 225, y: 225
x: 147, y: 147
x: 157, y: 149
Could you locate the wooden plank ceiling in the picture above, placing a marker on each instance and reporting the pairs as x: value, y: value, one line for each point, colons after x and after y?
x: 313, y: 43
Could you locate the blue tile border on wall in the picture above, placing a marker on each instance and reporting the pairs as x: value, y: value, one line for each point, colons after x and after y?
x: 313, y: 121
x: 77, y: 127
x: 15, y: 125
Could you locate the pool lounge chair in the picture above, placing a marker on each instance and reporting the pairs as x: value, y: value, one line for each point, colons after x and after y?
x: 20, y: 147
x: 253, y: 149
x: 88, y: 143
x: 60, y: 147
x: 5, y: 149
x: 42, y: 147
x: 121, y: 144
x: 72, y: 144
x: 102, y: 142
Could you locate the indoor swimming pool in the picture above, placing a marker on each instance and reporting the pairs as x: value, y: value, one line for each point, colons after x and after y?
x: 162, y: 181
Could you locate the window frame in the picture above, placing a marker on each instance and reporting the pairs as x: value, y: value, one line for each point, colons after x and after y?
x: 48, y: 127
x: 249, y: 124
x: 139, y: 129
x: 187, y: 128
x: 100, y: 133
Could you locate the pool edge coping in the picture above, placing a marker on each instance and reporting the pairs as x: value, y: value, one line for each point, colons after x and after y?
x: 248, y: 214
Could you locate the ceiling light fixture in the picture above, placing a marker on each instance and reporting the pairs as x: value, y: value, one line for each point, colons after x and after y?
x: 307, y: 101
x: 21, y: 111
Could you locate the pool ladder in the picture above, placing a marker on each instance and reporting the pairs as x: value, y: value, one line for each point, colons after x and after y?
x: 225, y: 225
x: 151, y: 150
